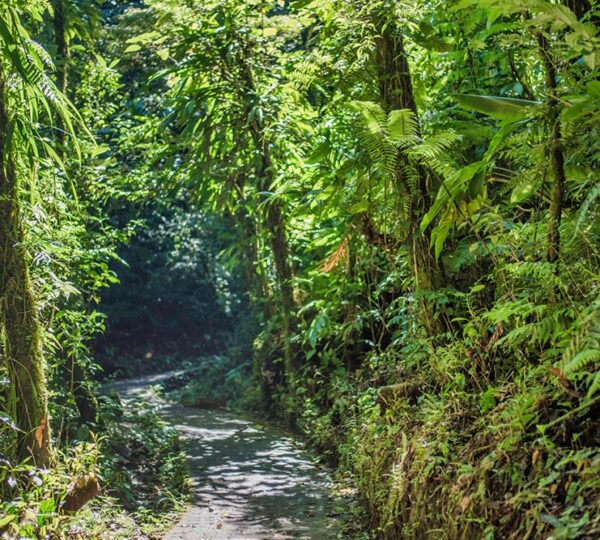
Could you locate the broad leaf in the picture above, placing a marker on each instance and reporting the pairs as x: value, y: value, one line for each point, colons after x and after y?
x: 501, y: 108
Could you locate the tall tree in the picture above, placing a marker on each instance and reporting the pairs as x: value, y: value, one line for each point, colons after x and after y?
x: 397, y: 93
x: 84, y: 399
x: 28, y: 399
x: 228, y: 121
x: 27, y: 96
x: 554, y: 151
x: 274, y: 217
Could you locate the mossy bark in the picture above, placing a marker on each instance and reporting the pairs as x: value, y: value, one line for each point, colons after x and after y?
x: 18, y: 315
x: 555, y: 153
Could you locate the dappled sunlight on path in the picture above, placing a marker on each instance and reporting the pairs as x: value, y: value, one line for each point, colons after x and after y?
x: 248, y: 481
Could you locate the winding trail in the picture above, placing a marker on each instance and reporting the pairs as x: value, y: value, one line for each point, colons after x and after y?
x: 249, y: 481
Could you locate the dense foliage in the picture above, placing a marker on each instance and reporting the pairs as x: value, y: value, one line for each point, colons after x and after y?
x: 385, y: 211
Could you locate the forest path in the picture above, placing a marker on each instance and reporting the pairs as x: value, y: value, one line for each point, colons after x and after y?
x: 249, y: 481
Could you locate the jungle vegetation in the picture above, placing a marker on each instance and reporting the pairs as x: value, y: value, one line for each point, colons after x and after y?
x: 377, y: 221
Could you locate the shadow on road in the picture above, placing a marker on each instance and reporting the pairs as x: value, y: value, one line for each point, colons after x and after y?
x: 248, y: 481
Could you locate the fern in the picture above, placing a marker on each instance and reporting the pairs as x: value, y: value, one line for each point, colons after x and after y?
x: 374, y: 137
x: 534, y: 271
x: 403, y: 128
x: 594, y: 384
x: 433, y: 153
x: 581, y: 358
x: 397, y: 151
x: 374, y: 119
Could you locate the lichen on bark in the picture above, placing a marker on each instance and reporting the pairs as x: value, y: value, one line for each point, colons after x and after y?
x: 21, y: 331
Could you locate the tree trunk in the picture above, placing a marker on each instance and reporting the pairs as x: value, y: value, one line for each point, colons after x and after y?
x: 275, y: 223
x: 396, y: 91
x: 579, y: 7
x: 18, y: 315
x: 555, y: 153
x: 260, y: 297
x: 254, y: 271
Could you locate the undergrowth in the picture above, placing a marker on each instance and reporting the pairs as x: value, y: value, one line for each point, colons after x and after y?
x: 143, y: 462
x: 475, y: 437
x: 137, y: 460
x: 32, y: 497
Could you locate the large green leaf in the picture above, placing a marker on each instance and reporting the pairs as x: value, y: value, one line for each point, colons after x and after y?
x: 450, y: 189
x: 501, y: 108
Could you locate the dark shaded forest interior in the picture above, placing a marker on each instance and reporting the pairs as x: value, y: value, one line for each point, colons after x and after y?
x: 229, y: 226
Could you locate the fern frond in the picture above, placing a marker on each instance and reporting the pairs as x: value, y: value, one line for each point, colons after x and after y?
x: 41, y: 53
x: 437, y: 145
x: 403, y: 128
x: 373, y: 116
x: 594, y: 384
x: 538, y: 271
x: 581, y: 360
x: 581, y: 357
x: 339, y: 258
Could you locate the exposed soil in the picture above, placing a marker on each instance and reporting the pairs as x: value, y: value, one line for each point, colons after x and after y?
x: 249, y: 481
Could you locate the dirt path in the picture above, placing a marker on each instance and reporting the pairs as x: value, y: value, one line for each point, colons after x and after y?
x: 248, y: 481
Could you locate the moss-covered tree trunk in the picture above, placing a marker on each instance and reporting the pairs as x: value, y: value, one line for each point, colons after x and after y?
x: 554, y: 152
x: 396, y: 92
x: 18, y: 314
